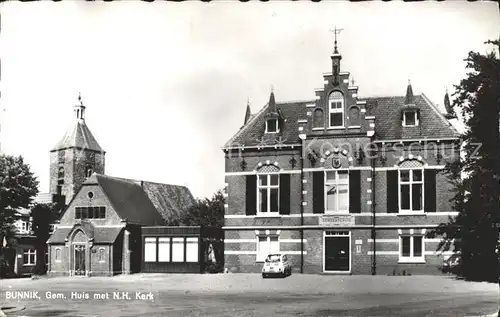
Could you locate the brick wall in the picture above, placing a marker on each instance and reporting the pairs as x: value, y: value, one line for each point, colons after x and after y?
x: 82, y: 199
x: 74, y: 162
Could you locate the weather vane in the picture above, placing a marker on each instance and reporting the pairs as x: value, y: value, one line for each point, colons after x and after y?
x: 335, y: 32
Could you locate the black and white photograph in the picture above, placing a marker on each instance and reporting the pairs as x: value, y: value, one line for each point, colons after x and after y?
x: 226, y: 158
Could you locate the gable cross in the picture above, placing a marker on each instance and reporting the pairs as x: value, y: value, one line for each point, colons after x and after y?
x: 335, y: 32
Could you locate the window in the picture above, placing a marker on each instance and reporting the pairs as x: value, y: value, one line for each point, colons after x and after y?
x: 52, y: 227
x: 149, y: 249
x: 410, y: 118
x: 90, y: 212
x: 88, y: 171
x: 192, y: 249
x: 411, y: 249
x: 29, y: 257
x: 411, y: 194
x: 177, y: 249
x: 58, y: 255
x: 337, y: 191
x: 60, y: 176
x: 268, y: 193
x: 267, y: 245
x: 336, y: 106
x: 272, y: 126
x: 163, y: 249
x: 101, y: 256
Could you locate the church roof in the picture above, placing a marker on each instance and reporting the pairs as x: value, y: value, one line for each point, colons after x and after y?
x: 128, y: 199
x: 99, y: 234
x: 78, y: 136
x: 142, y: 202
x: 387, y: 112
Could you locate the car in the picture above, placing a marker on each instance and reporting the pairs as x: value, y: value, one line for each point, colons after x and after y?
x: 276, y: 264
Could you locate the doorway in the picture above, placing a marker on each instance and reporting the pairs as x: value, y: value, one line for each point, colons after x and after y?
x: 79, y: 263
x: 337, y: 251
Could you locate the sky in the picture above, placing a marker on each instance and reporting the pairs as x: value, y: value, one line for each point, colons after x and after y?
x: 166, y: 84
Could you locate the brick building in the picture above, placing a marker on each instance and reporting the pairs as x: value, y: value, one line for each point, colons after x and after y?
x: 341, y: 183
x: 99, y: 232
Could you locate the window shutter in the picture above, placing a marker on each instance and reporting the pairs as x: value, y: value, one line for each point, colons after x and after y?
x: 318, y: 192
x: 251, y: 192
x: 354, y: 191
x: 430, y: 190
x: 392, y: 192
x: 284, y: 194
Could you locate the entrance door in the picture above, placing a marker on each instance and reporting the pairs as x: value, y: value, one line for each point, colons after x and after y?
x: 337, y: 252
x: 79, y: 259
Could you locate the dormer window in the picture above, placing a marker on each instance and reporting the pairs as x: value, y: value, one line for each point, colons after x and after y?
x: 336, y: 109
x: 410, y: 118
x: 272, y: 126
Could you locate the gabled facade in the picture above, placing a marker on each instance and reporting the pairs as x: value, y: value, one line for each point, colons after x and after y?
x: 100, y: 230
x: 341, y: 183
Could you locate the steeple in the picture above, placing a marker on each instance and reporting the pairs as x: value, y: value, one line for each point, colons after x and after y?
x: 248, y: 112
x: 447, y: 106
x: 409, y: 94
x: 336, y: 57
x: 80, y: 109
x: 75, y: 157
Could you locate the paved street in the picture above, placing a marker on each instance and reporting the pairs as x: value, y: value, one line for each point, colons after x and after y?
x: 250, y: 295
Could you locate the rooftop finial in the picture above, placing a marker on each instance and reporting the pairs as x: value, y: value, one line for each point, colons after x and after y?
x: 352, y: 81
x: 335, y: 32
x: 409, y: 94
x: 80, y: 98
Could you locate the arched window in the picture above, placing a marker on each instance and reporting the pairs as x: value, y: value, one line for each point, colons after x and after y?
x: 88, y: 171
x: 60, y: 175
x: 336, y: 109
x: 318, y: 118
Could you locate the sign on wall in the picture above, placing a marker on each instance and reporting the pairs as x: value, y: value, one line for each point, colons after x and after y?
x: 336, y: 221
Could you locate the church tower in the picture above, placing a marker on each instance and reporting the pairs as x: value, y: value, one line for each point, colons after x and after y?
x: 75, y: 157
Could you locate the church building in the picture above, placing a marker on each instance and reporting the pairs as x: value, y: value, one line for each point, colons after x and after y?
x: 99, y: 232
x: 342, y: 183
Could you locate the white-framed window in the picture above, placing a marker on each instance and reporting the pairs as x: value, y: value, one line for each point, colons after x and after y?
x: 411, y: 190
x: 29, y: 257
x: 268, y: 193
x: 192, y: 249
x: 101, y: 255
x: 336, y: 109
x: 336, y: 191
x: 272, y: 126
x: 410, y: 118
x: 267, y: 245
x: 58, y: 255
x: 177, y: 249
x: 163, y: 249
x: 411, y: 249
x: 149, y: 249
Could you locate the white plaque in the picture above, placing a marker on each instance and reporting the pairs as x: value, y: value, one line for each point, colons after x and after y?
x: 336, y: 221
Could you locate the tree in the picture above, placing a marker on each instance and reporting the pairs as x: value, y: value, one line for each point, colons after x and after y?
x: 18, y: 186
x: 43, y: 216
x: 209, y: 213
x: 476, y: 175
